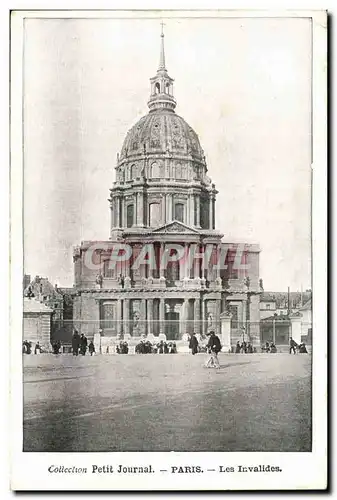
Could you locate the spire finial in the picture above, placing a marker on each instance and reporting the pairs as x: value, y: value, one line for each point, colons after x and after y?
x: 162, y: 51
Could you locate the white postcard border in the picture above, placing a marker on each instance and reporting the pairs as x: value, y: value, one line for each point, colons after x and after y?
x: 29, y: 471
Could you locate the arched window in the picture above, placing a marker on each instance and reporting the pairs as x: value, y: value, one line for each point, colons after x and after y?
x: 155, y: 171
x: 133, y: 172
x: 183, y: 172
x: 129, y: 215
x: 127, y: 173
x: 167, y: 88
x: 154, y: 215
x: 179, y: 212
x: 157, y: 88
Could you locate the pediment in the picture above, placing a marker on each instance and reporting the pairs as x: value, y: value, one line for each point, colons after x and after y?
x: 175, y: 227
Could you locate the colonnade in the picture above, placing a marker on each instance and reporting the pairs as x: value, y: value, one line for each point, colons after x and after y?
x: 191, y: 202
x: 145, y: 323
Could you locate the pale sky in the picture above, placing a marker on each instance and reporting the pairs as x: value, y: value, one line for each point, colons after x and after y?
x: 242, y: 84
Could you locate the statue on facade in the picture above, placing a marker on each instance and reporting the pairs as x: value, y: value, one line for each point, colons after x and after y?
x: 136, y: 319
x: 76, y: 253
x: 261, y: 283
x: 209, y: 320
x: 247, y: 282
x: 99, y: 280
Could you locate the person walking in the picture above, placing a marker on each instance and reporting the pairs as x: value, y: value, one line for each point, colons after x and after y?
x: 292, y: 346
x: 83, y: 344
x: 194, y: 344
x: 214, y: 347
x: 91, y: 348
x: 75, y: 343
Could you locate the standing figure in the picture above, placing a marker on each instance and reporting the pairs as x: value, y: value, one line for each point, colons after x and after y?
x: 292, y: 346
x: 194, y: 344
x: 238, y: 347
x: 249, y: 348
x: 37, y: 349
x: 273, y: 348
x: 91, y: 348
x: 83, y: 344
x: 75, y: 343
x: 214, y: 347
x: 302, y: 349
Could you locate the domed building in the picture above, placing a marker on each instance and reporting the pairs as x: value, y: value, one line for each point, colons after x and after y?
x: 165, y: 271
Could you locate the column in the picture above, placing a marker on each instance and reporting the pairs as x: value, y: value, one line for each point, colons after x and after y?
x: 225, y: 320
x: 296, y: 328
x: 198, y: 211
x: 182, y: 265
x: 192, y: 210
x: 117, y: 212
x: 187, y: 262
x: 119, y: 317
x: 126, y: 316
x: 122, y: 216
x: 213, y: 204
x: 203, y: 305
x: 161, y: 269
x: 244, y: 317
x: 150, y: 316
x: 211, y: 212
x: 143, y: 316
x: 164, y: 209
x: 218, y: 263
x: 161, y: 315
x: 217, y: 318
x: 170, y: 208
x: 140, y: 207
x: 197, y: 326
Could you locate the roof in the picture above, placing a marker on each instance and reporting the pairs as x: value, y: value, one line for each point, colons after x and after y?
x: 307, y: 306
x: 267, y: 297
x: 158, y: 132
x: 282, y: 298
x: 42, y: 287
x: 35, y: 306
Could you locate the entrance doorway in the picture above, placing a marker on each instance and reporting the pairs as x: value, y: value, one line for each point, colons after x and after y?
x: 172, y: 325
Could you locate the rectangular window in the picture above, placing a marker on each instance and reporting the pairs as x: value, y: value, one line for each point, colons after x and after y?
x: 179, y: 212
x: 108, y: 272
x: 107, y: 316
x: 129, y: 215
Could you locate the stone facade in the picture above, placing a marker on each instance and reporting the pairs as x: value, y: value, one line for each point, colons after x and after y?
x: 36, y: 322
x: 163, y: 196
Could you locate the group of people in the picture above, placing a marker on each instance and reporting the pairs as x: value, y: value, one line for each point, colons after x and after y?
x: 122, y: 348
x: 294, y: 346
x: 269, y: 347
x: 79, y: 344
x: 244, y: 348
x: 27, y: 347
x: 213, y: 347
x: 146, y: 347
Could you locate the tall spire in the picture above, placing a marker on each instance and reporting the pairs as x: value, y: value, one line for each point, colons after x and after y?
x: 162, y: 84
x: 162, y: 50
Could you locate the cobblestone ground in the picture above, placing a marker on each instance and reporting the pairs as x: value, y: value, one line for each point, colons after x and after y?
x: 259, y: 402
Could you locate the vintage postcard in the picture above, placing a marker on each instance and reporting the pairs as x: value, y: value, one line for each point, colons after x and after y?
x: 168, y: 282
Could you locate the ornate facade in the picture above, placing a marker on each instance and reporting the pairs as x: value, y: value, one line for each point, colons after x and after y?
x: 162, y: 197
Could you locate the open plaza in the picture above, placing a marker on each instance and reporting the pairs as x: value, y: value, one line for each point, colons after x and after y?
x: 256, y: 402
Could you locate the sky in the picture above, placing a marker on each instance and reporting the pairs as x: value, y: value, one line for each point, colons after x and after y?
x: 244, y: 85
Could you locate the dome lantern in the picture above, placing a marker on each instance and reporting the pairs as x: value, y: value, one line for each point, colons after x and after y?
x: 162, y: 84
